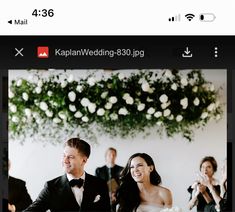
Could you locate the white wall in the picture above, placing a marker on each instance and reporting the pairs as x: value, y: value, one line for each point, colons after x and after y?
x: 176, y: 160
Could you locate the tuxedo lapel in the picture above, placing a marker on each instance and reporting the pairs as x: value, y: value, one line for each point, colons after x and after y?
x: 68, y: 196
x: 87, y: 194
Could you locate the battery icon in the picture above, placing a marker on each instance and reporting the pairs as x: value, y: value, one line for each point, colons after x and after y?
x: 207, y: 17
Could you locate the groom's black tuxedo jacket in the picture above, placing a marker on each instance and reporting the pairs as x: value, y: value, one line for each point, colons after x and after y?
x: 57, y: 196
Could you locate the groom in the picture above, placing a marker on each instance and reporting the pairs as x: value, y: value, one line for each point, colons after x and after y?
x: 76, y: 190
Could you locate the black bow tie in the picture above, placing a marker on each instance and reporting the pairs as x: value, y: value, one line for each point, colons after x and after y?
x: 76, y: 182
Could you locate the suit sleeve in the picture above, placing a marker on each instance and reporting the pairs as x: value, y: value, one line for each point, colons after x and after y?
x: 106, y: 199
x: 25, y: 199
x: 42, y: 202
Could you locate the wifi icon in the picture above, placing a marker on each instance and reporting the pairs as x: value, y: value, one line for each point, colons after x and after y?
x: 189, y: 16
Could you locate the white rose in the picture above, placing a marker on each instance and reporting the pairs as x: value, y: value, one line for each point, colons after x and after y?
x: 38, y: 90
x: 129, y: 100
x: 151, y: 110
x: 108, y: 105
x: 179, y: 118
x: 56, y: 120
x: 19, y: 82
x: 217, y: 103
x: 121, y: 76
x: 168, y: 74
x: 35, y: 114
x: 27, y: 112
x: 166, y: 112
x: 184, y: 82
x: 174, y: 87
x: 25, y: 96
x: 113, y: 99
x: 72, y: 108
x: 163, y: 98
x: 113, y: 116
x: 211, y: 107
x: 91, y: 107
x: 49, y: 93
x: 196, y: 101
x: 62, y: 115
x: 195, y: 88
x: 70, y: 78
x: 49, y: 113
x: 15, y: 119
x: 40, y: 83
x: 158, y: 114
x: 149, y: 99
x: 78, y: 114
x: 85, y: 119
x: 85, y: 102
x: 159, y: 123
x: 122, y: 111
x: 64, y: 84
x: 191, y: 81
x: 218, y: 117
x: 11, y: 94
x: 184, y: 102
x: 100, y: 112
x: 204, y: 115
x: 91, y: 81
x: 148, y: 116
x: 43, y: 106
x: 140, y: 106
x: 13, y: 108
x: 165, y: 105
x: 212, y: 87
x: 79, y: 88
x: 126, y: 96
x: 39, y: 120
x: 104, y: 95
x: 145, y: 86
x: 171, y: 117
x: 150, y: 90
x: 72, y: 96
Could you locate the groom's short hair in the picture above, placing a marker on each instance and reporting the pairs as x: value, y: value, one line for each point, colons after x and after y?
x: 82, y: 146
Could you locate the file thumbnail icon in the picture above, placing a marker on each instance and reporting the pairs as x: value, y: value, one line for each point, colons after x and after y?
x: 43, y: 52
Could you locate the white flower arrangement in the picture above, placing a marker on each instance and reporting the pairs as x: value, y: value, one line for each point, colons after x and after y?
x: 118, y: 105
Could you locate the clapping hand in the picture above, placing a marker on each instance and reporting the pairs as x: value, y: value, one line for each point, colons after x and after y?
x: 11, y: 208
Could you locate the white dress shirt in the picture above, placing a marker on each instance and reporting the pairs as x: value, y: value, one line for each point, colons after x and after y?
x: 78, y: 192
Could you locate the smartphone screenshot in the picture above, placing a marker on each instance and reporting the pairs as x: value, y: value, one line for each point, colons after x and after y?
x: 117, y: 108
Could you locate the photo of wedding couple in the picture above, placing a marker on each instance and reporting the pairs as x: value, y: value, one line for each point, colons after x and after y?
x: 119, y: 140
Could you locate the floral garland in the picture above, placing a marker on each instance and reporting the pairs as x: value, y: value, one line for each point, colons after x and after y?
x: 117, y: 105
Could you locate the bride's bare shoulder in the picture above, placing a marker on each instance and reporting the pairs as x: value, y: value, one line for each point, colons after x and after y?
x: 164, y: 192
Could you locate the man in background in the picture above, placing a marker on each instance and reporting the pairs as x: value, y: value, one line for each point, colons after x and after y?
x: 110, y: 173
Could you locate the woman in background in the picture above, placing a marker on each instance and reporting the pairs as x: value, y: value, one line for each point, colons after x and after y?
x: 200, y: 194
x: 140, y: 188
x: 220, y: 202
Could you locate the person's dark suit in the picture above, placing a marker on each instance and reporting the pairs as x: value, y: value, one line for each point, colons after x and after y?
x: 57, y: 195
x: 106, y: 173
x: 18, y: 194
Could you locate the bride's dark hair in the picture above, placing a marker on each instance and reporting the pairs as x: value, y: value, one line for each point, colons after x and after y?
x: 128, y: 195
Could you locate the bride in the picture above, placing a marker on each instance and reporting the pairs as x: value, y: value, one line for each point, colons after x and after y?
x: 140, y: 189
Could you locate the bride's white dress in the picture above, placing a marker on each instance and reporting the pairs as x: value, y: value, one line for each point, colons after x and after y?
x: 149, y: 208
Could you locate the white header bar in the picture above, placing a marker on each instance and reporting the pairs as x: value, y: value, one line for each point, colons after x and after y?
x: 122, y: 17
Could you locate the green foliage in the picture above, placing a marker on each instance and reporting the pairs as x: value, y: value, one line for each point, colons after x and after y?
x: 117, y: 105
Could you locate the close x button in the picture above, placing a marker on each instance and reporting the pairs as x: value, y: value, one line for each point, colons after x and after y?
x: 19, y: 52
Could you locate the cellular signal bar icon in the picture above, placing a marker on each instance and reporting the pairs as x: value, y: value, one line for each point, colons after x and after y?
x: 174, y: 18
x: 189, y: 16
